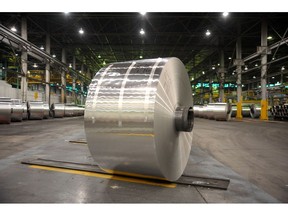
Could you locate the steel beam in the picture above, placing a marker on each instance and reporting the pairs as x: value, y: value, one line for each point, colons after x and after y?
x: 47, y: 71
x: 63, y: 78
x: 24, y: 58
x: 239, y: 63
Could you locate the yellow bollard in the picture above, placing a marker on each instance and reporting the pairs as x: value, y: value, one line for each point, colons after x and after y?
x: 264, y: 110
x: 239, y: 111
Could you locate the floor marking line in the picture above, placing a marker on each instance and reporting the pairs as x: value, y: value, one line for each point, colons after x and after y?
x: 105, y: 176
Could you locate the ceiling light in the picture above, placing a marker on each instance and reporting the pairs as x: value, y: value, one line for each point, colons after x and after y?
x: 142, y: 13
x: 225, y: 14
x: 192, y: 78
x: 81, y: 31
x: 42, y: 48
x: 142, y: 32
x: 54, y: 56
x: 104, y: 63
x: 213, y: 68
x: 16, y: 54
x: 203, y: 72
x: 28, y: 72
x: 66, y: 13
x: 229, y: 58
x: 256, y: 65
x: 243, y: 85
x: 246, y: 68
x: 13, y: 29
x: 80, y: 71
x: 233, y: 73
x: 140, y: 56
x: 208, y: 33
x: 273, y: 77
x: 70, y: 65
x: 269, y: 38
x: 254, y: 77
x: 283, y: 68
x: 218, y: 64
x: 273, y: 58
x: 35, y: 65
x: 99, y: 56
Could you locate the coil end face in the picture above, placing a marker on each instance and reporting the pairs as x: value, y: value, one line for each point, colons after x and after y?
x: 184, y: 119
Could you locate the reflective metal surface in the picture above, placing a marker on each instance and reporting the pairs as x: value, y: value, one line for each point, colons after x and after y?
x: 217, y: 111
x: 5, y: 110
x: 255, y: 110
x: 130, y: 117
x: 57, y: 110
x: 70, y: 110
x: 46, y: 110
x: 246, y: 110
x: 25, y: 111
x: 17, y: 110
x: 234, y: 111
x: 35, y: 110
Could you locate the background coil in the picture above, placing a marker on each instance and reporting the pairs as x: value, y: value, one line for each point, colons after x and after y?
x: 5, y: 110
x: 35, y: 110
x: 17, y: 110
x: 137, y: 116
x: 217, y: 111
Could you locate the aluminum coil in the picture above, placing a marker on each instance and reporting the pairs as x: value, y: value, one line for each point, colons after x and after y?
x: 46, y: 110
x: 57, y: 110
x: 69, y: 110
x: 17, y: 110
x: 5, y: 110
x: 255, y: 110
x: 209, y: 111
x: 246, y: 110
x: 234, y: 111
x: 25, y: 111
x: 197, y: 111
x: 222, y: 111
x: 35, y: 110
x: 139, y: 118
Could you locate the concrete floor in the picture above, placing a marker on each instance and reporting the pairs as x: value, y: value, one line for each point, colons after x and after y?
x: 252, y: 154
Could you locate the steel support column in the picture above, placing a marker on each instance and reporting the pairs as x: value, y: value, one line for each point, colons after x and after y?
x: 82, y: 96
x: 47, y: 71
x: 63, y: 78
x: 239, y: 63
x: 74, y: 80
x: 221, y: 73
x: 202, y: 95
x: 264, y: 52
x: 24, y: 58
x: 210, y: 90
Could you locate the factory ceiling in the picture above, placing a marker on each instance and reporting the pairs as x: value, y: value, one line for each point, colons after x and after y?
x: 97, y: 39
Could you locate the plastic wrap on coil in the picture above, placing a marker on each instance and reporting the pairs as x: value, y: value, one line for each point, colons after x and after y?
x: 5, y: 110
x: 135, y: 114
x: 35, y: 110
x: 17, y: 110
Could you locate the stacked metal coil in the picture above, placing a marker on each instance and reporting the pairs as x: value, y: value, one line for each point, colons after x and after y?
x: 279, y: 112
x: 246, y: 110
x: 17, y: 110
x: 35, y: 110
x: 5, y: 110
x: 139, y: 118
x: 70, y: 110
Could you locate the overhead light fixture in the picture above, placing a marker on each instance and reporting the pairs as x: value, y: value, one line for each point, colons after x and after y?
x: 273, y: 77
x: 282, y: 68
x: 99, y: 56
x: 225, y: 14
x: 35, y: 65
x: 208, y: 33
x: 66, y: 13
x: 80, y: 71
x: 192, y: 78
x: 213, y: 68
x: 229, y: 58
x: 28, y: 72
x: 13, y: 29
x: 243, y: 85
x: 233, y: 73
x: 104, y: 63
x: 269, y: 38
x: 16, y: 54
x: 42, y: 48
x: 256, y: 65
x: 254, y: 77
x: 70, y: 65
x: 142, y: 32
x: 140, y: 56
x: 54, y: 56
x: 81, y: 31
x: 143, y: 13
x: 246, y: 68
x: 203, y: 72
x: 273, y: 58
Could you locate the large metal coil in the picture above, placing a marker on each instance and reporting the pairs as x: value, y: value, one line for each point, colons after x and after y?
x: 46, y: 110
x: 246, y: 110
x: 70, y: 110
x: 255, y: 110
x: 234, y: 111
x: 35, y: 110
x: 139, y: 117
x: 279, y: 111
x: 25, y: 111
x: 217, y: 111
x: 17, y: 110
x: 57, y: 110
x: 5, y: 110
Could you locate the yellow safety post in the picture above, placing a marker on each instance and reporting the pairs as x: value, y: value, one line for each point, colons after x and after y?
x: 264, y: 110
x: 239, y: 110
